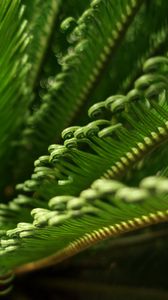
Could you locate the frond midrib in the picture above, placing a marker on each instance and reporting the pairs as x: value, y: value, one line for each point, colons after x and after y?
x: 90, y: 239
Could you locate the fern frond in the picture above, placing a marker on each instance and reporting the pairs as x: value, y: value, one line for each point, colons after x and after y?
x: 108, y: 149
x: 89, y: 56
x: 108, y: 176
x: 104, y: 148
x: 14, y: 93
x: 62, y: 94
x: 107, y: 209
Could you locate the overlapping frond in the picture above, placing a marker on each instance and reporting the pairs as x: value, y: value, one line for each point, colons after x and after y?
x: 68, y: 203
x: 130, y: 47
x: 49, y: 44
x: 108, y: 176
x: 126, y: 129
x: 96, y: 36
x: 14, y: 94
